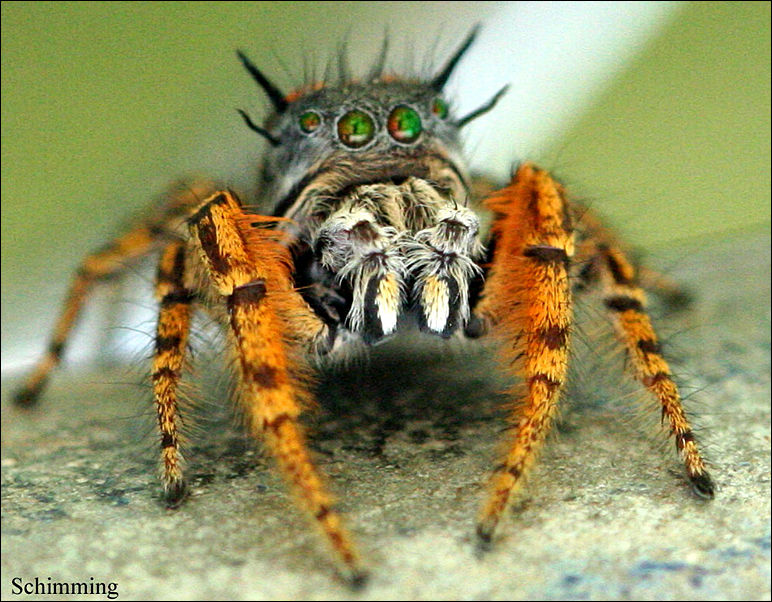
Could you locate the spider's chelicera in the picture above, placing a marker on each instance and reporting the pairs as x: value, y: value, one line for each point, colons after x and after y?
x: 372, y: 221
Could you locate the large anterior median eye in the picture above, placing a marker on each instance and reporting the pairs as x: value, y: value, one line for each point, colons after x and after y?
x: 404, y: 124
x: 356, y: 128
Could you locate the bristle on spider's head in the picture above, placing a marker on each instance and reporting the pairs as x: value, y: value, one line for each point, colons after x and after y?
x: 276, y: 97
x: 256, y: 128
x: 376, y: 71
x: 439, y: 80
x: 344, y: 68
x: 483, y: 109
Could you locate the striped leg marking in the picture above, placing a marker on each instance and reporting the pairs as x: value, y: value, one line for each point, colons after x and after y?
x: 107, y: 262
x: 100, y: 265
x: 527, y: 302
x: 250, y: 268
x: 170, y: 344
x: 626, y: 302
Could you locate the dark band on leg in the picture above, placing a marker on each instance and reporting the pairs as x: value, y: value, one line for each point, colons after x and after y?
x: 251, y: 293
x: 547, y: 255
x: 622, y: 303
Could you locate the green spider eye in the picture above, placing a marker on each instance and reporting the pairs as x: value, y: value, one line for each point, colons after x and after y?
x: 404, y: 124
x: 440, y: 108
x: 309, y: 121
x: 356, y: 128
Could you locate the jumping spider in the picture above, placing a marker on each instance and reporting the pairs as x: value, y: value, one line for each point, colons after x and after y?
x: 374, y: 221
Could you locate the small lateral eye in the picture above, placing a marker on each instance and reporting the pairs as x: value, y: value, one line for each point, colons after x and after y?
x: 440, y: 108
x: 404, y: 124
x: 356, y: 128
x: 309, y: 121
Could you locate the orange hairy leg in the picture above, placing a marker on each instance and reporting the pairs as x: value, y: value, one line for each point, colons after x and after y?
x: 170, y: 345
x: 111, y: 260
x: 526, y: 305
x: 250, y: 267
x: 626, y: 303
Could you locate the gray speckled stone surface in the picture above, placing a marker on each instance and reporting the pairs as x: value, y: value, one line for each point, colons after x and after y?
x: 406, y: 441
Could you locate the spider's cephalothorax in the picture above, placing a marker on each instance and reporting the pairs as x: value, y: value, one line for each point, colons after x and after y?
x: 372, y: 176
x: 370, y: 222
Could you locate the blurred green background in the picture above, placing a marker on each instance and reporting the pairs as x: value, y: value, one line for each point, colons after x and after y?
x: 104, y: 103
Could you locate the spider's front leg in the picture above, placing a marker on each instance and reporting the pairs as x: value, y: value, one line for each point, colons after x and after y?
x: 248, y: 268
x: 526, y: 304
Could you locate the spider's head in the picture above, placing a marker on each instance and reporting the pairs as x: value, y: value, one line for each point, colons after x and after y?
x: 327, y: 138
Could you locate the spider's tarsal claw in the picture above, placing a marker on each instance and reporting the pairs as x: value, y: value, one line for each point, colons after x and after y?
x: 482, y: 548
x: 703, y: 486
x: 357, y: 579
x: 484, y: 531
x: 175, y: 493
x: 27, y: 396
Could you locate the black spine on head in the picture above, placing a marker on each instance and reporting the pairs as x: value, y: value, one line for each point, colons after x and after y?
x: 439, y: 81
x: 256, y: 128
x: 483, y: 109
x: 274, y: 94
